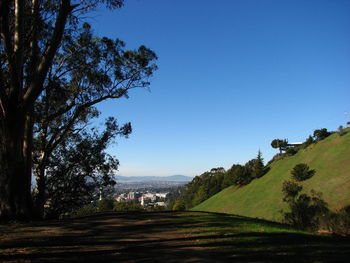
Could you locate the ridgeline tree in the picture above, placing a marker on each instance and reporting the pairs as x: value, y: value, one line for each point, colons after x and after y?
x: 280, y: 144
x: 53, y: 70
x: 258, y: 168
x: 321, y: 134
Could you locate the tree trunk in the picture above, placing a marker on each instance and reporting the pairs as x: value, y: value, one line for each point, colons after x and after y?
x: 15, y: 173
x: 40, y: 196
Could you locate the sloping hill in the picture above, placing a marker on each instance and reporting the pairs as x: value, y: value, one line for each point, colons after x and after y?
x: 262, y: 198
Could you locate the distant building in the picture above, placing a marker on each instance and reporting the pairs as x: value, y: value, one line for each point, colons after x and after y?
x: 161, y: 195
x: 293, y: 144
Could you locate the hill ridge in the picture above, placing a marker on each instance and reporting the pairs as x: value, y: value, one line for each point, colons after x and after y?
x: 262, y: 198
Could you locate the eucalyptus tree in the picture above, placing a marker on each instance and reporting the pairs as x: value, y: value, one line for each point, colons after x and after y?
x: 52, y: 71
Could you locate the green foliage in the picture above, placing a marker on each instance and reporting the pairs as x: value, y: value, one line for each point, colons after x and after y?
x: 258, y: 168
x: 304, y: 210
x: 106, y: 205
x: 339, y: 222
x: 302, y: 172
x: 290, y: 190
x: 241, y: 175
x: 291, y: 151
x: 179, y: 205
x: 84, y: 211
x: 52, y: 74
x: 209, y: 183
x: 80, y: 169
x: 321, y: 134
x: 310, y: 140
x: 279, y: 143
x: 127, y: 207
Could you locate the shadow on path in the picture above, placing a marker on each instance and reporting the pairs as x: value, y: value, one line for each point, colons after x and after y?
x: 164, y: 237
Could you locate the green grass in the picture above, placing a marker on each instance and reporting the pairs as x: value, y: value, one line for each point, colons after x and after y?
x: 262, y: 198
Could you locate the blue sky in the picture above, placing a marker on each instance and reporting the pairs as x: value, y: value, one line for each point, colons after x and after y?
x: 233, y: 76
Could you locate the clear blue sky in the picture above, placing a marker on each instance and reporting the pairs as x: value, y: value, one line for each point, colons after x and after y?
x: 233, y: 75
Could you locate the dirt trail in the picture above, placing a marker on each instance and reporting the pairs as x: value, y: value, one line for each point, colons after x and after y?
x: 151, y: 237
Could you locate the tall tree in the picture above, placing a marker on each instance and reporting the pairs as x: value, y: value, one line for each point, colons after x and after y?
x: 280, y: 144
x: 37, y: 40
x: 258, y: 168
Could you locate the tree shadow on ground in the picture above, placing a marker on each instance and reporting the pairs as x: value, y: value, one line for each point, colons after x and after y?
x: 165, y: 237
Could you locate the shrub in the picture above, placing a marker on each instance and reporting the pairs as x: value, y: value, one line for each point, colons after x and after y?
x: 179, y: 206
x: 127, y: 207
x: 339, y: 223
x: 321, y: 134
x: 291, y: 151
x: 290, y: 190
x: 105, y: 205
x: 84, y: 211
x: 305, y: 212
x: 308, y: 142
x: 302, y: 172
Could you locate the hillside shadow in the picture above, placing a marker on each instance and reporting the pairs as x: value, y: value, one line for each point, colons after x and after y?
x: 166, y: 237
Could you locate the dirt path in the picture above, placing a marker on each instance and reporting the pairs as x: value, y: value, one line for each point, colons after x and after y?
x: 166, y: 237
x: 151, y: 237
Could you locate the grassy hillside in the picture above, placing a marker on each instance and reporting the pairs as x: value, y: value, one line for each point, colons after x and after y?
x: 262, y: 198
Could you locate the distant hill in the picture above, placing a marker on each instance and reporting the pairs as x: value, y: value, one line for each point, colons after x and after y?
x: 173, y: 178
x: 262, y: 198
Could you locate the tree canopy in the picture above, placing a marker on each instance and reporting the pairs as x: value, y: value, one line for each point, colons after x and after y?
x: 53, y: 70
x: 279, y: 143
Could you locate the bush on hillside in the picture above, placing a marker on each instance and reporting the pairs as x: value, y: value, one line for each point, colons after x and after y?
x: 338, y: 223
x: 290, y: 190
x: 302, y: 172
x: 306, y: 211
x: 291, y: 151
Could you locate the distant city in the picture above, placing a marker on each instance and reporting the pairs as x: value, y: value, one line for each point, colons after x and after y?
x: 149, y: 191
